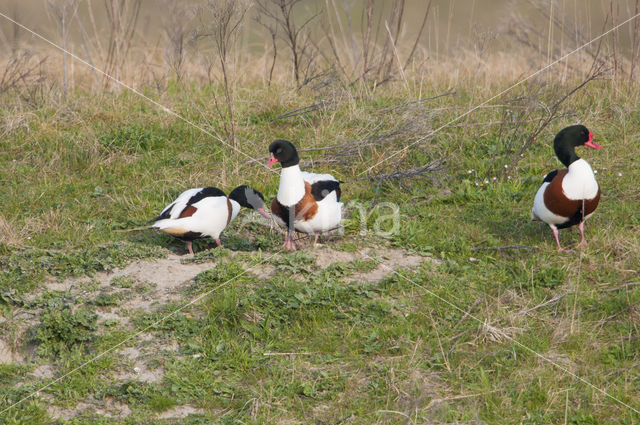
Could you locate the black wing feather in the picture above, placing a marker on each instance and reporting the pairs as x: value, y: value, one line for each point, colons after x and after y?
x: 322, y: 188
x: 165, y: 214
x: 204, y: 193
x: 550, y: 176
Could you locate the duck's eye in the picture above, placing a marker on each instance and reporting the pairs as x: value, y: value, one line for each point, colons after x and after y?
x: 279, y: 150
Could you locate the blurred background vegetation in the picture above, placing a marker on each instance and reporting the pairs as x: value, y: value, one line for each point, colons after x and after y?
x: 148, y: 43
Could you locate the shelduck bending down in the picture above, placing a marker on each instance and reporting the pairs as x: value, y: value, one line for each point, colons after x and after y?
x: 568, y: 197
x: 198, y: 213
x: 306, y: 202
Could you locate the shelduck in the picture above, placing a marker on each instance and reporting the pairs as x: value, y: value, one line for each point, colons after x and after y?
x: 568, y: 197
x: 306, y: 202
x: 206, y: 211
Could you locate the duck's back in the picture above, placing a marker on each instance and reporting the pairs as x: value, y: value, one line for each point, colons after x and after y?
x: 199, y: 212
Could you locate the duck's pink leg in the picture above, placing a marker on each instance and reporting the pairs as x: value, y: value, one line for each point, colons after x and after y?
x: 190, y: 247
x: 583, y: 242
x: 218, y: 242
x: 288, y: 242
x: 555, y: 235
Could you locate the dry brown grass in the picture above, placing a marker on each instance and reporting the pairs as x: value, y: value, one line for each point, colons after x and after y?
x: 9, y: 235
x: 146, y: 67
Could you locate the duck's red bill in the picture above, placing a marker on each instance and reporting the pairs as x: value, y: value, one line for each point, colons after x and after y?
x: 591, y: 143
x: 272, y: 160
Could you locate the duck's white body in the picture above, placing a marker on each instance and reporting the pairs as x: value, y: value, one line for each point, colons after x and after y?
x: 327, y: 218
x: 541, y: 212
x: 210, y: 218
x: 197, y: 213
x: 292, y: 190
x: 579, y: 183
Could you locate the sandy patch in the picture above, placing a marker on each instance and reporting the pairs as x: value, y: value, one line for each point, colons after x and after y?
x: 392, y: 259
x: 104, y: 316
x: 61, y: 286
x: 326, y: 256
x: 44, y: 371
x: 114, y: 409
x: 111, y: 409
x: 57, y: 412
x: 140, y: 371
x: 7, y: 355
x: 180, y: 412
x: 263, y: 271
x: 167, y: 273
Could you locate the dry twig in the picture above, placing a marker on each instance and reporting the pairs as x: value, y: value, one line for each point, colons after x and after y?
x: 430, y: 168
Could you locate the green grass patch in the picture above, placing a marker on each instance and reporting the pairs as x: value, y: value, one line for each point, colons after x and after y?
x: 292, y: 341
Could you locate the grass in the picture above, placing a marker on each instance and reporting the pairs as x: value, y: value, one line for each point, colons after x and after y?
x: 296, y: 340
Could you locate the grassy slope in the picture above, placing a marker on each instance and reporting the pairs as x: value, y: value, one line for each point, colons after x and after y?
x: 79, y: 171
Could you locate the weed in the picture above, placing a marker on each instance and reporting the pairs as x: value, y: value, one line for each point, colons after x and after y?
x: 122, y: 282
x: 61, y: 329
x: 222, y: 273
x: 297, y: 262
x: 105, y: 300
x: 206, y: 256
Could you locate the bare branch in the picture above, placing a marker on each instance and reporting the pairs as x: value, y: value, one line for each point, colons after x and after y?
x: 225, y: 19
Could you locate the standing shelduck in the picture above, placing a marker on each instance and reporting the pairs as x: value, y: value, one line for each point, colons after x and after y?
x: 306, y: 202
x: 198, y: 213
x: 568, y: 197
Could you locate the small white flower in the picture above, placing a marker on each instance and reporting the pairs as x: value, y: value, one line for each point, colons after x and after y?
x: 619, y: 174
x: 476, y: 183
x: 469, y: 171
x: 486, y: 181
x: 136, y: 369
x: 29, y: 238
x: 197, y: 356
x: 495, y: 178
x: 509, y: 177
x: 506, y: 166
x: 595, y: 171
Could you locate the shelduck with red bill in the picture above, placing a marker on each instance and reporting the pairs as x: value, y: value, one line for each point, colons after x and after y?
x: 569, y: 196
x: 206, y: 212
x: 306, y: 202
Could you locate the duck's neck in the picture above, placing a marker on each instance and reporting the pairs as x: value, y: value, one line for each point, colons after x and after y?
x: 566, y: 154
x: 291, y: 188
x: 235, y: 209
